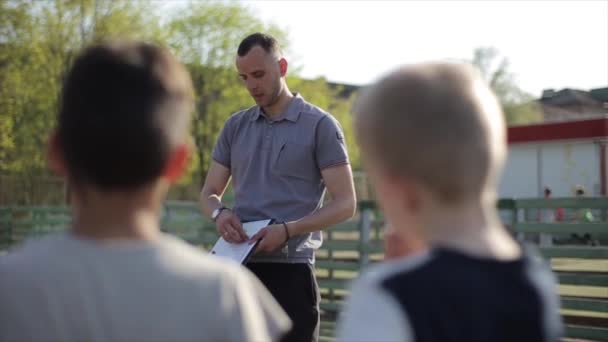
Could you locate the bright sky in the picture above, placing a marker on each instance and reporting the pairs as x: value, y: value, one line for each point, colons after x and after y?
x: 550, y: 44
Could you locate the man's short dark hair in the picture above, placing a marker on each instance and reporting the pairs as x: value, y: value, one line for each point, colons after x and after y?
x: 124, y: 107
x: 547, y: 191
x: 265, y: 41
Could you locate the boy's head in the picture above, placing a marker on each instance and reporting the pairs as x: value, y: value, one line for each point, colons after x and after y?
x: 123, y: 118
x: 547, y: 192
x: 431, y: 132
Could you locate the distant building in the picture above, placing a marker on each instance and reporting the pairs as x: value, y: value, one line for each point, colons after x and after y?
x: 559, y: 155
x: 572, y: 104
x: 557, y: 105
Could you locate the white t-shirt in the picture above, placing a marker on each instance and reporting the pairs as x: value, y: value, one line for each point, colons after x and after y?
x: 64, y: 288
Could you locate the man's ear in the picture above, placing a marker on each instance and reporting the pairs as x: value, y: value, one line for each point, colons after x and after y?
x: 55, y: 157
x: 178, y: 163
x: 283, y: 66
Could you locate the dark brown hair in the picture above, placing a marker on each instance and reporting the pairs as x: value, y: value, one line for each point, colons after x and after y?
x: 265, y: 41
x: 124, y: 106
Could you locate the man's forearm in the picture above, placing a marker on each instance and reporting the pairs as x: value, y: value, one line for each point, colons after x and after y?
x: 334, y: 212
x: 217, y: 179
x: 209, y: 203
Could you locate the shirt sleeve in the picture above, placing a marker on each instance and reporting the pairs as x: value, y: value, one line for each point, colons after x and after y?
x: 221, y: 151
x: 330, y: 147
x: 253, y: 315
x: 372, y: 315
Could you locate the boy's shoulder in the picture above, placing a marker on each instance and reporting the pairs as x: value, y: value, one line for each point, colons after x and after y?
x: 415, y: 282
x: 441, y: 285
x: 429, y: 272
x: 377, y: 275
x: 184, y: 255
x: 39, y: 258
x: 32, y: 253
x: 372, y: 313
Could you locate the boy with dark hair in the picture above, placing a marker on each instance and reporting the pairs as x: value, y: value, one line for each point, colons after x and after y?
x: 121, y: 140
x: 433, y: 139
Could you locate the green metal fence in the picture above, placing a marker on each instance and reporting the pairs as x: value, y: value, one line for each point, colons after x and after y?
x: 582, y: 270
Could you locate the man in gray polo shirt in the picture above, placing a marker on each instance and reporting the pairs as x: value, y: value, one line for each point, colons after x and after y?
x: 281, y: 155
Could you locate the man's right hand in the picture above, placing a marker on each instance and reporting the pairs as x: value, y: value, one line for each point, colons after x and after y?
x: 229, y: 227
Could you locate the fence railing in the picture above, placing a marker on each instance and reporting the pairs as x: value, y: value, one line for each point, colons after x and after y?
x: 582, y: 269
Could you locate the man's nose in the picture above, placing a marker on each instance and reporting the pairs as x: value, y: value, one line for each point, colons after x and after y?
x: 252, y: 85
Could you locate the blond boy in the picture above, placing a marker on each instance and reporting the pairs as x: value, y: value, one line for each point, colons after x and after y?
x: 433, y: 139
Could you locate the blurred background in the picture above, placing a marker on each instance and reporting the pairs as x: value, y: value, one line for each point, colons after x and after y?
x: 546, y: 60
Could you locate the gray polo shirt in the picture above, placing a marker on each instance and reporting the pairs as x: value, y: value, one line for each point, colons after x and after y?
x: 276, y: 168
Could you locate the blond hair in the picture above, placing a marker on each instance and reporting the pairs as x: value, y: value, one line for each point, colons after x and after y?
x: 436, y: 123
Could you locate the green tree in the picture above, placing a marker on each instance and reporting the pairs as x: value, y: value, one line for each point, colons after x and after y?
x: 14, y: 20
x: 519, y: 106
x: 38, y: 42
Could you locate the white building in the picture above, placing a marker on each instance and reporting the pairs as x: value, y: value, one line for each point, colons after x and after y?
x: 559, y: 155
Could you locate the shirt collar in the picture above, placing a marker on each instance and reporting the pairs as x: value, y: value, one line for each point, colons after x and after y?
x: 294, y: 108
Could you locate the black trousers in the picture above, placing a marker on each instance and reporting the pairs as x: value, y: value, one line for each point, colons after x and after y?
x: 295, y: 287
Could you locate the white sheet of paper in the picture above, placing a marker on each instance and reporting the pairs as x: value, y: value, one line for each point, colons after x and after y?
x: 239, y: 251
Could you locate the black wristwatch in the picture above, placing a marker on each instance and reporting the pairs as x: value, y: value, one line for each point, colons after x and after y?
x: 216, y: 213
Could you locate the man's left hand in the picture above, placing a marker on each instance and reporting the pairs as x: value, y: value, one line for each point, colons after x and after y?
x: 273, y: 237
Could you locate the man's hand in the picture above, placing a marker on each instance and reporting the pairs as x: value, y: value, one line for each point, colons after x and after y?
x: 229, y: 227
x: 273, y: 237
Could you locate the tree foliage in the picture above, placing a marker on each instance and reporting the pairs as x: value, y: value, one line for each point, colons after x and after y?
x: 519, y: 106
x: 39, y: 41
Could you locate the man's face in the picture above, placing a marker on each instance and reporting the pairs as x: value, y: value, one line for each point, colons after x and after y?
x: 261, y: 74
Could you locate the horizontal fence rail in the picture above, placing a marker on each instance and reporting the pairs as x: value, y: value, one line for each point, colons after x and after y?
x: 581, y: 266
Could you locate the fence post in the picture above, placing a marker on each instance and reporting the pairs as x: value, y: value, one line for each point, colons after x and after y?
x: 520, y: 216
x: 9, y: 231
x: 365, y: 227
x: 514, y: 215
x: 508, y: 204
x: 330, y: 271
x: 165, y: 218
